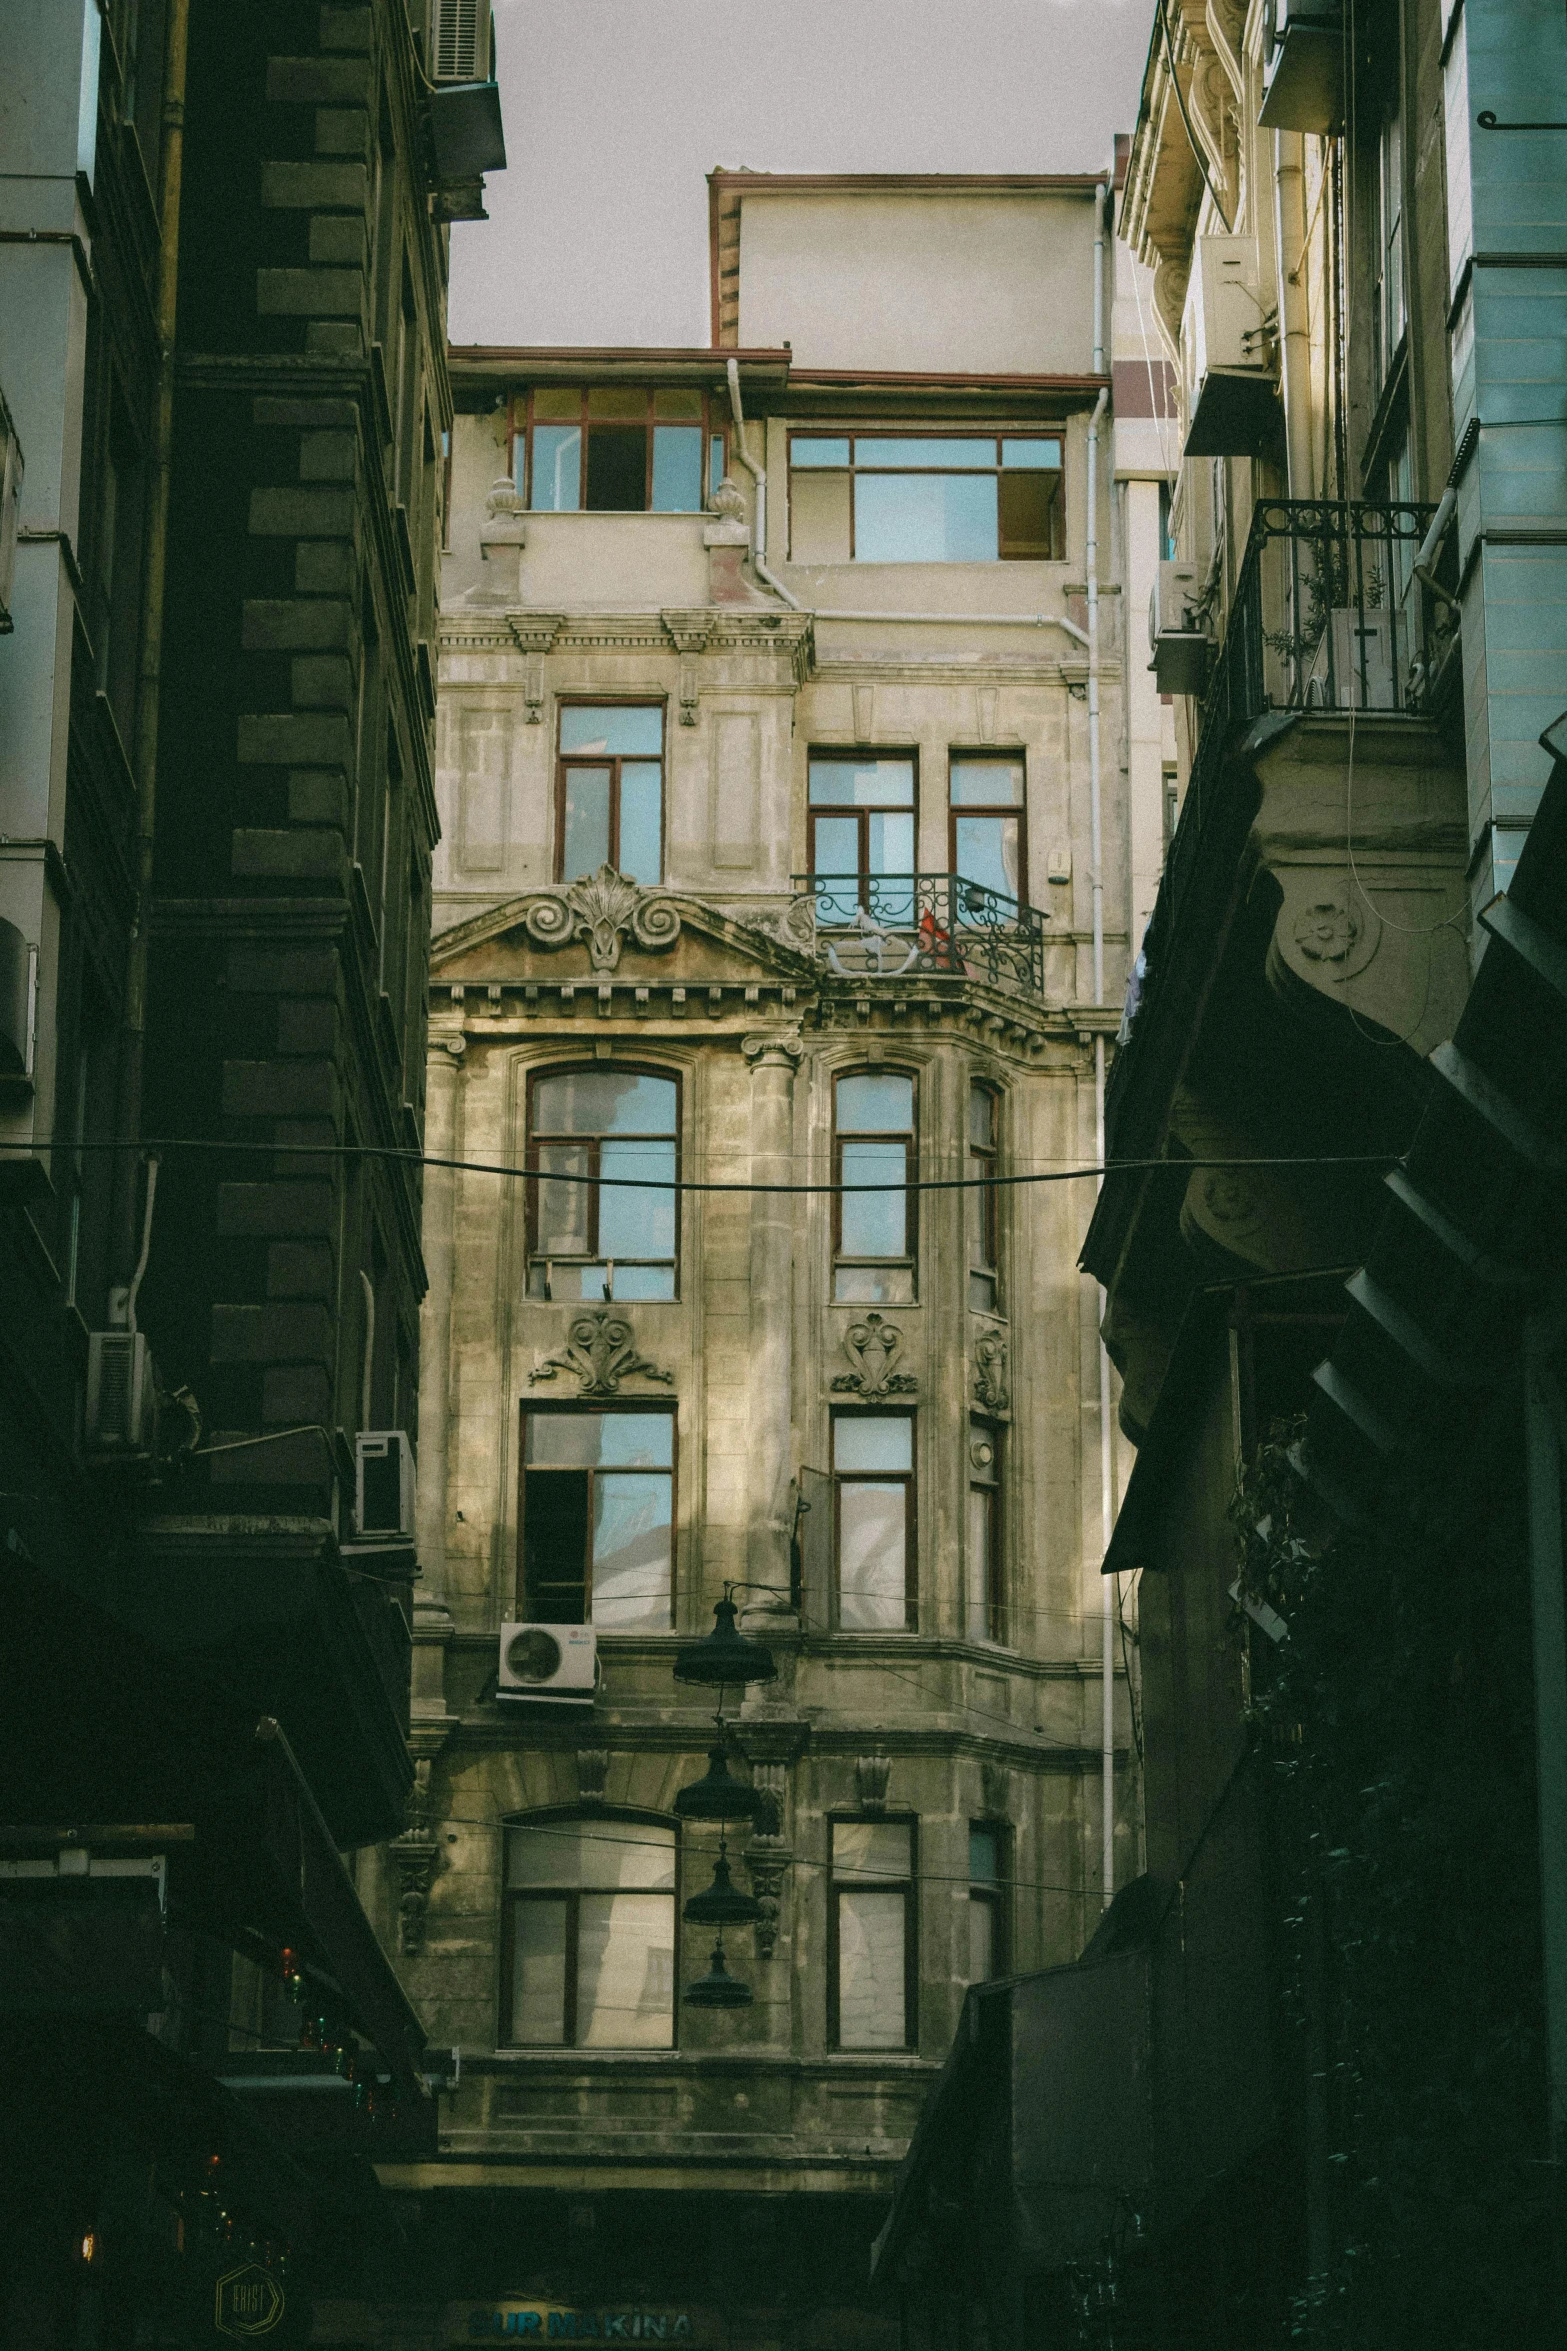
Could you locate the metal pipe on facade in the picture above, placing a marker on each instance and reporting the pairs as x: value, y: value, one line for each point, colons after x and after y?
x: 1289, y: 243
x: 1097, y: 888
x: 149, y: 680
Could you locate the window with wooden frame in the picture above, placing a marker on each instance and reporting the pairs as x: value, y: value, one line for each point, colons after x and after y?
x: 862, y: 819
x: 587, y: 1239
x: 875, y: 1587
x: 988, y: 1939
x: 618, y: 448
x: 609, y: 790
x: 953, y: 497
x: 986, y: 820
x: 588, y: 1942
x: 872, y: 1983
x: 874, y: 1229
x: 596, y: 1540
x: 982, y: 1202
x: 985, y: 1609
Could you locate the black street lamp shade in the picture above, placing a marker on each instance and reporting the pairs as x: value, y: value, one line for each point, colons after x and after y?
x: 718, y: 1795
x: 718, y: 1988
x: 723, y: 1905
x: 725, y: 1655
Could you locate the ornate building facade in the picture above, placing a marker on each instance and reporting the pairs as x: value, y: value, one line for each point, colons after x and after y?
x: 781, y: 902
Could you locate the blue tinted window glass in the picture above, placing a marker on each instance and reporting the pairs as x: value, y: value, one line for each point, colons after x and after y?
x: 984, y: 1857
x: 715, y: 461
x: 677, y: 468
x: 876, y: 1104
x: 641, y: 820
x: 864, y: 1440
x: 614, y: 730
x: 987, y: 783
x: 585, y: 846
x: 636, y: 1224
x: 925, y: 518
x: 986, y: 852
x: 806, y: 451
x: 604, y: 1102
x: 923, y: 449
x: 874, y: 1224
x: 891, y: 844
x: 557, y: 468
x: 862, y: 783
x: 1044, y: 455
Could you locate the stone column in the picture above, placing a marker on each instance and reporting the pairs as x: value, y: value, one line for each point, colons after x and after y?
x: 774, y: 1056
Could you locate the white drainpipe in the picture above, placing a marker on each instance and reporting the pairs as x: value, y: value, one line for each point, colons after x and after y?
x: 1097, y: 883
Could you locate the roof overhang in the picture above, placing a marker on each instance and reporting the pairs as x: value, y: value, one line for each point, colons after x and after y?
x: 495, y: 365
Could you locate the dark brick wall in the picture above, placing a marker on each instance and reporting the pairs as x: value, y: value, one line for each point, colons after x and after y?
x: 296, y: 811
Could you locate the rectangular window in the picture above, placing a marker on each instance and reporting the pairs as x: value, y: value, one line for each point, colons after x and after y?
x: 982, y: 1209
x: 588, y: 1956
x: 925, y: 497
x: 873, y: 1217
x: 1389, y: 318
x: 986, y: 1611
x: 618, y: 448
x: 871, y: 1987
x: 873, y: 1482
x: 987, y: 1936
x: 589, y: 1239
x: 987, y: 818
x: 862, y: 816
x: 598, y: 1517
x: 609, y: 793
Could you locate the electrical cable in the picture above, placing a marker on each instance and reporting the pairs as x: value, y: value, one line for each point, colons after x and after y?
x: 398, y: 1154
x: 1180, y: 100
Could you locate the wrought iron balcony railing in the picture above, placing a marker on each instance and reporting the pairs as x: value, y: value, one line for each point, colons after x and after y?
x: 886, y: 926
x: 1327, y: 616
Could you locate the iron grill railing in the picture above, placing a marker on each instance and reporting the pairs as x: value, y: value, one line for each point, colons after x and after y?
x: 1326, y: 616
x: 886, y: 926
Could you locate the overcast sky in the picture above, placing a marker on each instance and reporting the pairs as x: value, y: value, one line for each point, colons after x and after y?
x: 617, y: 109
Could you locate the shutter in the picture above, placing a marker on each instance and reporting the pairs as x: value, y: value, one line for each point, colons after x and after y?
x: 813, y: 1549
x: 459, y: 40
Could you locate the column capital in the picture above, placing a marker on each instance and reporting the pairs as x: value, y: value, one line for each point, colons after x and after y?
x: 778, y: 1048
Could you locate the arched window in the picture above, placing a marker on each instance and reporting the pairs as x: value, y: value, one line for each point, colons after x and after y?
x: 588, y: 1951
x: 585, y: 1242
x: 873, y: 1230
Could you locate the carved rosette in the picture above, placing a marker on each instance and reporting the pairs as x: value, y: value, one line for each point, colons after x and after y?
x: 600, y: 1351
x: 602, y: 908
x: 873, y: 1346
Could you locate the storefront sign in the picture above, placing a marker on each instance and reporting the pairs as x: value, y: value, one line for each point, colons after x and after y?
x: 247, y: 2302
x: 553, y: 2322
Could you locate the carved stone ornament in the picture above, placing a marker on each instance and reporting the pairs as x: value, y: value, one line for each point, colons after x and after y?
x: 592, y: 1771
x: 871, y: 1773
x: 795, y: 927
x: 414, y: 1854
x: 602, y: 908
x: 990, y: 1372
x: 781, y: 1047
x: 600, y: 1352
x: 996, y: 1781
x: 1326, y: 931
x: 766, y: 1859
x: 873, y: 1347
x: 728, y: 500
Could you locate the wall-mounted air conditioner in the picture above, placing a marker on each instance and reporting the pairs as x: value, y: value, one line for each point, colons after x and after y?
x: 18, y: 1002
x: 1227, y: 354
x: 554, y: 1662
x: 460, y: 41
x: 1177, y: 639
x: 383, y: 1483
x: 1303, y: 66
x: 122, y: 1396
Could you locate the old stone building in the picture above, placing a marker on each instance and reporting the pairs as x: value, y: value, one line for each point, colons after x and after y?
x: 782, y: 750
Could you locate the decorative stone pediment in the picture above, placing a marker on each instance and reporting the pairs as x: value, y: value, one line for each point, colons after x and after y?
x: 598, y: 924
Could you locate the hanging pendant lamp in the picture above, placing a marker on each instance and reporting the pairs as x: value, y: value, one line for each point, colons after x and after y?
x: 718, y: 1795
x: 718, y: 1988
x: 725, y: 1655
x: 723, y: 1905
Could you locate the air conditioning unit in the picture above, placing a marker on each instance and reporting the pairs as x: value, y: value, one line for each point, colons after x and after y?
x: 122, y: 1396
x: 1232, y: 400
x: 557, y: 1663
x: 383, y: 1482
x: 1303, y: 66
x: 1177, y: 639
x: 460, y: 41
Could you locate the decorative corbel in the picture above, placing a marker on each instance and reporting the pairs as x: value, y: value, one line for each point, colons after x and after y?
x: 871, y: 1773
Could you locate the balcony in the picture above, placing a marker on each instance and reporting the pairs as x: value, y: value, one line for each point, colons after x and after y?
x: 919, y: 926
x: 1326, y: 619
